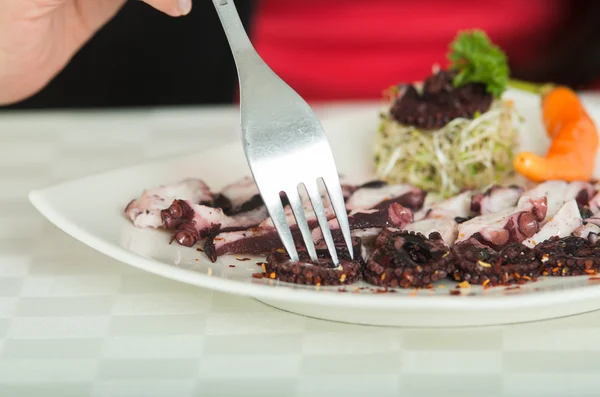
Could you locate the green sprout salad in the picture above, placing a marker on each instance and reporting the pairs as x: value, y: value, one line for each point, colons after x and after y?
x: 463, y: 154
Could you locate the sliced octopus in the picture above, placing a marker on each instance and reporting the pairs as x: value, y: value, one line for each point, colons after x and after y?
x: 146, y: 211
x: 192, y: 222
x: 258, y: 240
x: 443, y: 218
x: 512, y: 225
x: 495, y: 199
x: 569, y: 256
x: 305, y: 271
x: 477, y: 263
x: 379, y: 194
x: 408, y: 260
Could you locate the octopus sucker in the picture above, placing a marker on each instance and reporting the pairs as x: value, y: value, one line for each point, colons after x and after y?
x: 305, y: 271
x: 512, y: 225
x: 479, y: 264
x: 408, y: 260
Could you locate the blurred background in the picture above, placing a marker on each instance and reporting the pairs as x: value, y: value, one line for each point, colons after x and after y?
x: 326, y: 50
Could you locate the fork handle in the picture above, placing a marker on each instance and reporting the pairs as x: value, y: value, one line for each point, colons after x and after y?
x: 241, y: 47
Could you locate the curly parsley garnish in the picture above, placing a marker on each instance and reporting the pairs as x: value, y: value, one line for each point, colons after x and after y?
x: 478, y: 60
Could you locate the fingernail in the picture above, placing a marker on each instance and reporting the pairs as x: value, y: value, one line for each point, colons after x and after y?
x: 185, y: 6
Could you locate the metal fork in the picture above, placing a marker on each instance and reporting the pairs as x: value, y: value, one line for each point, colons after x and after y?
x: 284, y: 142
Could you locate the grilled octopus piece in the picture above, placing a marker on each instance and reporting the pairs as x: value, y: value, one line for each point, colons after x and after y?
x: 565, y: 221
x: 192, y: 222
x: 305, y: 271
x: 257, y: 240
x: 408, y: 260
x: 367, y: 224
x: 512, y: 225
x: 480, y: 264
x: 558, y: 193
x: 569, y: 256
x: 442, y: 218
x: 237, y: 197
x: 377, y: 194
x: 494, y: 199
x: 588, y: 231
x: 146, y: 211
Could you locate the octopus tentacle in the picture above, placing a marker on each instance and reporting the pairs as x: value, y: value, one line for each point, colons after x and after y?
x: 481, y: 264
x: 305, y: 271
x: 193, y: 222
x: 512, y: 225
x: 407, y: 259
x: 569, y: 256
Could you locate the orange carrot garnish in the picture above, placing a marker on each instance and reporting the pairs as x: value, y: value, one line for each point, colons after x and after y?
x: 572, y: 153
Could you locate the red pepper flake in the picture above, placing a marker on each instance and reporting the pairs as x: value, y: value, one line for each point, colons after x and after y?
x: 527, y: 278
x: 231, y: 265
x: 486, y: 283
x: 594, y: 279
x: 512, y: 288
x: 242, y: 259
x: 342, y: 290
x: 199, y: 249
x: 454, y: 292
x: 381, y: 291
x: 196, y: 259
x: 218, y: 238
x: 257, y: 275
x: 591, y: 272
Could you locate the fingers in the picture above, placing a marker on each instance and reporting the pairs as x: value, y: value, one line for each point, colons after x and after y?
x: 174, y: 8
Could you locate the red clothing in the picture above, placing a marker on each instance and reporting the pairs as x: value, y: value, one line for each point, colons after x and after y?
x: 354, y: 49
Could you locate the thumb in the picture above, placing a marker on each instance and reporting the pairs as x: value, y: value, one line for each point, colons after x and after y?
x: 174, y: 8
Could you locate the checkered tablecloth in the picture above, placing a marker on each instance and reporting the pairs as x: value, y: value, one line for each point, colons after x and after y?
x: 76, y: 323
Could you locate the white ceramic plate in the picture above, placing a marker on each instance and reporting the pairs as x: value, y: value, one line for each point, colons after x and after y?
x: 104, y: 228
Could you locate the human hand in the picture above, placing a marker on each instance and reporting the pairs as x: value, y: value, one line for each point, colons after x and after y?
x: 39, y: 37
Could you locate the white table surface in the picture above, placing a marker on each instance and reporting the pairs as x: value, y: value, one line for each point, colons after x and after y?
x: 76, y: 323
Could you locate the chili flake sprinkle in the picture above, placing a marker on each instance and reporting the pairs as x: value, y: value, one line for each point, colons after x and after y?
x: 464, y: 284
